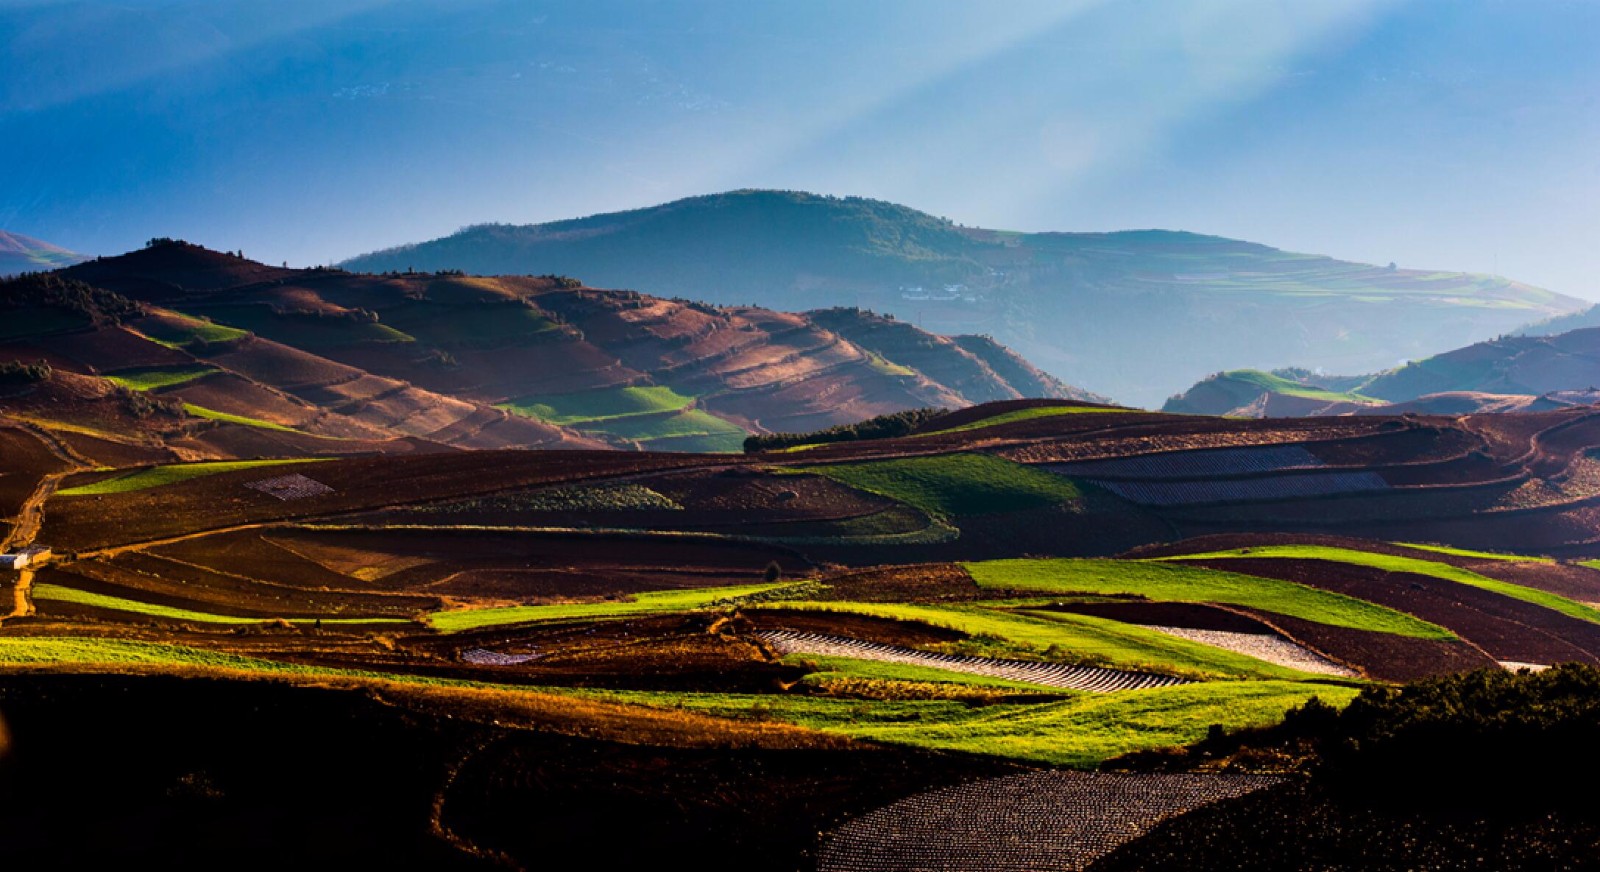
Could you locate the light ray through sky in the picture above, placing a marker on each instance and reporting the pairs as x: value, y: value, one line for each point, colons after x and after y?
x: 1435, y: 133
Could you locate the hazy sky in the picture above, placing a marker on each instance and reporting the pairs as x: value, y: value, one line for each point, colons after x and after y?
x: 1453, y: 134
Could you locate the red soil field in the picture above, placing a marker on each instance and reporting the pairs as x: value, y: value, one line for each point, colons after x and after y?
x: 280, y: 366
x: 112, y: 348
x: 1505, y: 628
x: 24, y: 460
x: 361, y: 483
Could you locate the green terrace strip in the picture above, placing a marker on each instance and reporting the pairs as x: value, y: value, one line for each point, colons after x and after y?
x: 1280, y: 385
x: 157, y: 476
x: 1081, y: 731
x: 952, y: 485
x: 607, y: 404
x: 225, y: 418
x: 155, y: 379
x: 1073, y: 638
x: 1480, y: 555
x: 79, y: 651
x: 182, y: 331
x: 1168, y: 582
x: 1025, y: 415
x: 456, y: 620
x: 57, y: 593
x: 690, y: 422
x: 1415, y: 565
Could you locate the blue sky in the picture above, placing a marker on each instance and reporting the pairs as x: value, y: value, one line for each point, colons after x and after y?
x: 1451, y: 134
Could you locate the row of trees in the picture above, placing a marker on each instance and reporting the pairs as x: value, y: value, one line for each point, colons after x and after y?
x: 881, y: 427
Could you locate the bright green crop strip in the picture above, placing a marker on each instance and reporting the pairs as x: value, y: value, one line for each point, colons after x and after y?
x: 953, y: 484
x: 156, y: 476
x: 1024, y: 415
x: 1083, y: 637
x: 1082, y: 731
x: 118, y: 604
x: 595, y: 406
x: 1169, y: 582
x: 153, y: 379
x: 180, y: 331
x: 1392, y: 563
x: 655, y: 601
x: 224, y: 417
x: 1481, y: 555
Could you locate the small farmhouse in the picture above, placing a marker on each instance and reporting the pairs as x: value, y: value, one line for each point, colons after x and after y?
x: 27, y: 557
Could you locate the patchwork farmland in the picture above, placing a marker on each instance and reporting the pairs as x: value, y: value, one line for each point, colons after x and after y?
x: 300, y: 484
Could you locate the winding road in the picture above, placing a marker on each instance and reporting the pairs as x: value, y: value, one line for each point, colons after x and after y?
x: 30, y: 518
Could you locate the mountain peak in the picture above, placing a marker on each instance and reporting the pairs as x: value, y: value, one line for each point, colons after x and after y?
x: 19, y: 254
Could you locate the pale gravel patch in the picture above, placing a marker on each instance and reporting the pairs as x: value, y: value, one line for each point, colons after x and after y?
x: 1095, y: 679
x: 1272, y: 649
x: 1060, y: 821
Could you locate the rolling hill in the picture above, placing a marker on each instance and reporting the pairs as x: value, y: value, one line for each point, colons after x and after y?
x: 510, y: 650
x: 1133, y: 315
x: 1532, y: 372
x: 190, y: 353
x: 20, y: 254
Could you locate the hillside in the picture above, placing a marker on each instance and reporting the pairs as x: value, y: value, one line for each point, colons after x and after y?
x: 1133, y: 315
x: 20, y: 254
x: 193, y: 353
x: 1530, y: 372
x: 742, y: 652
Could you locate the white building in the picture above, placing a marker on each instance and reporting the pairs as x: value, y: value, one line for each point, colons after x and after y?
x: 25, y: 558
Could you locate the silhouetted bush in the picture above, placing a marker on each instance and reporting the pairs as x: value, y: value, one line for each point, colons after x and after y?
x: 51, y: 291
x: 18, y: 373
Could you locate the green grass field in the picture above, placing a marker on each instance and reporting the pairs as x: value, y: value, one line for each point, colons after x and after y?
x: 644, y: 603
x: 1081, y: 731
x: 1171, y: 582
x: 59, y: 593
x: 1023, y: 415
x: 225, y: 418
x: 160, y: 377
x: 954, y: 485
x: 182, y: 331
x: 689, y: 422
x: 1481, y: 555
x: 1278, y: 384
x: 606, y: 404
x: 1072, y: 638
x: 79, y: 651
x: 156, y: 476
x: 307, y: 331
x: 1391, y: 563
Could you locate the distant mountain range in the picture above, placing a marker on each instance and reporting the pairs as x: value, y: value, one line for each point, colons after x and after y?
x: 1511, y: 373
x: 20, y: 254
x: 1135, y: 315
x: 177, y: 350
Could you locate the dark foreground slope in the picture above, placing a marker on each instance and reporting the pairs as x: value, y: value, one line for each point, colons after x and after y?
x: 190, y: 773
x: 1481, y: 771
x: 1133, y: 315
